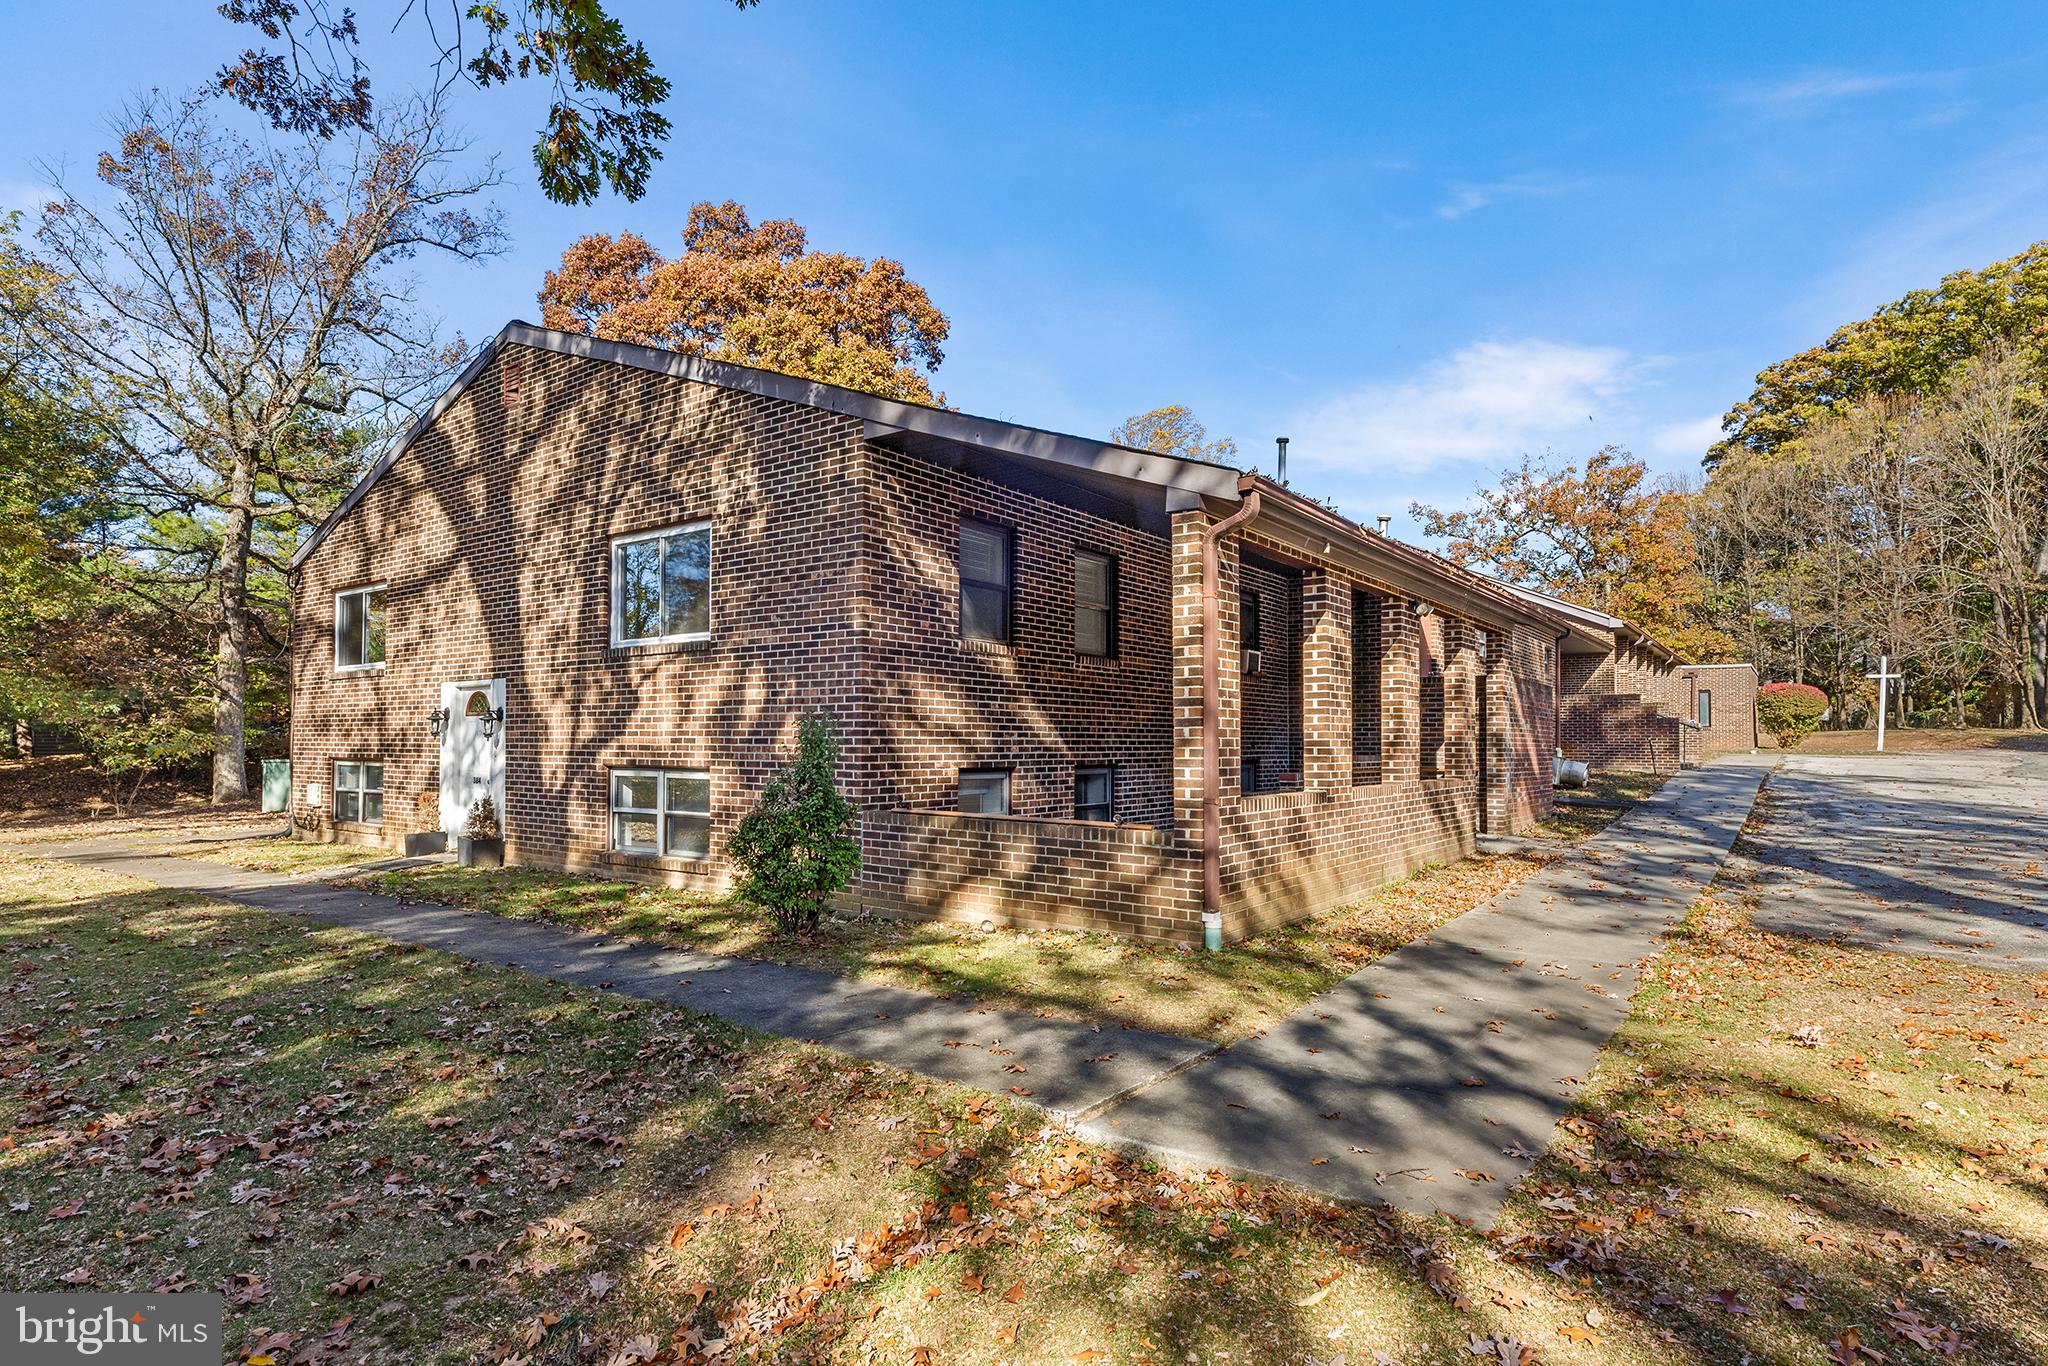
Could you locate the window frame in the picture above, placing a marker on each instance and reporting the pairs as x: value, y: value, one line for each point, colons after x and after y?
x: 1108, y: 772
x: 1008, y: 536
x: 619, y: 638
x: 364, y: 592
x: 360, y: 790
x: 1112, y: 572
x: 1251, y: 617
x: 1008, y: 777
x: 661, y: 812
x: 1703, y: 708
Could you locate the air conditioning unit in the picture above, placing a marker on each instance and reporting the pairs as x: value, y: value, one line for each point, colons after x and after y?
x: 1254, y: 660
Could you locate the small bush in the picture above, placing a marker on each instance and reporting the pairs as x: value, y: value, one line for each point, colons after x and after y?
x: 483, y: 820
x: 1790, y: 711
x: 792, y: 848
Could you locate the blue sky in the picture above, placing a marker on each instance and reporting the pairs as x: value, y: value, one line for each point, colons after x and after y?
x: 1419, y: 240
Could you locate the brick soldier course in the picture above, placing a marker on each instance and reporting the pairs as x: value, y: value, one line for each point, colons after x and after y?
x: 835, y: 523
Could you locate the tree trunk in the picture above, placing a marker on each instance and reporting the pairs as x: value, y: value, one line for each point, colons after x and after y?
x: 231, y: 653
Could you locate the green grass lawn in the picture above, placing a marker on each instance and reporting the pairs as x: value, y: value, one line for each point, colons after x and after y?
x: 283, y: 855
x: 1217, y: 996
x: 387, y: 1154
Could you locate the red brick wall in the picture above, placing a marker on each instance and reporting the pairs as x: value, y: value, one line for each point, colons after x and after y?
x: 835, y: 585
x: 493, y: 534
x: 937, y: 704
x: 1732, y: 717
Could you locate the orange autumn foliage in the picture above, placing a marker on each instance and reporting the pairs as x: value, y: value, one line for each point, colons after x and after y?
x: 754, y: 294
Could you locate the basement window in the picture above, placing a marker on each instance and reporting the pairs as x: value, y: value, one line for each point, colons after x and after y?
x: 661, y: 585
x: 662, y: 811
x: 1095, y: 793
x: 359, y: 793
x: 984, y: 791
x: 359, y: 628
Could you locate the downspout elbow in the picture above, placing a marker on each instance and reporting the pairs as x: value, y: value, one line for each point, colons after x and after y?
x: 1212, y: 723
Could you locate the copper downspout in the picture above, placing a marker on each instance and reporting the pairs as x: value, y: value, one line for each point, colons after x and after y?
x: 1212, y: 725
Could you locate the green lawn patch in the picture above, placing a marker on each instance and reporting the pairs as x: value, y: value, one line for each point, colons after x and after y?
x: 383, y: 1153
x: 1217, y: 996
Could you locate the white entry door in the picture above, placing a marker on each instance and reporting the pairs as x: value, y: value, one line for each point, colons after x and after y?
x: 472, y: 763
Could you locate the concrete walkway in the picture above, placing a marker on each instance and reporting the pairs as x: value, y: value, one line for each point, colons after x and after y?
x: 1456, y: 1053
x: 1944, y: 855
x: 1067, y: 1068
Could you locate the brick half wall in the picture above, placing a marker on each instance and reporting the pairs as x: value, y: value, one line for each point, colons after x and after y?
x: 1138, y: 880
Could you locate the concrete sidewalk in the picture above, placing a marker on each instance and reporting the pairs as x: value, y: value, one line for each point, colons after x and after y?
x: 1456, y: 1053
x: 1066, y: 1067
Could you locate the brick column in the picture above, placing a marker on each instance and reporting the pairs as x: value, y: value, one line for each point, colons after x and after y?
x: 1498, y: 791
x: 1461, y: 716
x: 1325, y: 680
x: 1186, y: 631
x: 1400, y: 692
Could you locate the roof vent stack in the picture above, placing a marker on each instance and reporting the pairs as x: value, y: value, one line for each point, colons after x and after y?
x: 1281, y: 442
x: 1384, y: 522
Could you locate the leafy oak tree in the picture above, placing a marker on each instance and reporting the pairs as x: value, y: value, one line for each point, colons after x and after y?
x: 1173, y: 430
x: 1603, y: 535
x: 237, y: 318
x: 754, y: 294
x: 603, y: 128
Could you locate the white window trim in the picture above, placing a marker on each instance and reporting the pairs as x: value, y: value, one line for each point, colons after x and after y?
x: 618, y: 606
x: 335, y: 774
x: 660, y: 810
x: 365, y: 589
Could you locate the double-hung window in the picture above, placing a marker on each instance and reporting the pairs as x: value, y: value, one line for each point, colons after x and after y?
x: 661, y: 585
x: 359, y: 628
x: 985, y: 576
x: 985, y: 791
x: 1094, y: 603
x: 661, y: 811
x: 1095, y: 794
x: 359, y: 793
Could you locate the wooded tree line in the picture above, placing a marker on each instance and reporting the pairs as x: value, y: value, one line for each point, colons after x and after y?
x: 1887, y: 493
x: 1883, y: 495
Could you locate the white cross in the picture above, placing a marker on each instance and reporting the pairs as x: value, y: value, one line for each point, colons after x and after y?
x: 1884, y: 676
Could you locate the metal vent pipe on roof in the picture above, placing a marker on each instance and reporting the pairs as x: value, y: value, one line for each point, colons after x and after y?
x: 1385, y: 521
x: 1281, y: 442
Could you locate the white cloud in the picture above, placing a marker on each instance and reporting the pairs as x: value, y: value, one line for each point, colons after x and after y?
x: 1795, y: 96
x: 1468, y: 196
x: 1486, y: 403
x: 1686, y: 438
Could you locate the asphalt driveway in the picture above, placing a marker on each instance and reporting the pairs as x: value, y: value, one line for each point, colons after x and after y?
x: 1937, y: 854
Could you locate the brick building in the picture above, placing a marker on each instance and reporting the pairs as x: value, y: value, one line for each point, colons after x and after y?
x: 1625, y: 700
x: 599, y: 583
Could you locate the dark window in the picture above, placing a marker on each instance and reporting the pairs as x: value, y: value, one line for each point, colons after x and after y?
x: 985, y: 791
x: 1365, y: 680
x: 1094, y: 794
x: 1706, y: 711
x: 985, y: 561
x: 1094, y: 603
x: 1248, y: 777
x: 1248, y: 621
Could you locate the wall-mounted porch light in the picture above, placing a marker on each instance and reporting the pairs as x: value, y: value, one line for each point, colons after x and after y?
x: 437, y: 721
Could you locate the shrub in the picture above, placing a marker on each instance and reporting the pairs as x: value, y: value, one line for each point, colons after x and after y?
x: 483, y: 820
x: 1790, y: 711
x: 792, y: 848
